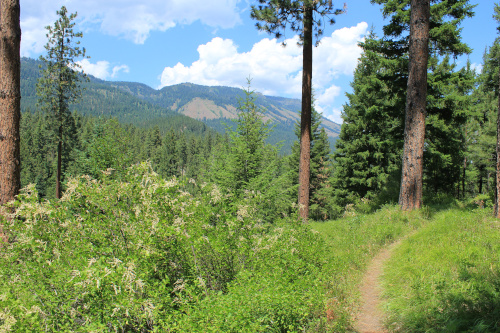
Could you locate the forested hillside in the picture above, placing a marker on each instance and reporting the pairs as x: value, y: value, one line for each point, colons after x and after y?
x: 179, y: 209
x: 175, y: 106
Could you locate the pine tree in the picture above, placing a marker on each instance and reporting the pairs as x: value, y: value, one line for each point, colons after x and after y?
x: 496, y: 16
x: 59, y: 85
x: 482, y: 135
x: 444, y: 37
x: 320, y: 167
x: 10, y: 100
x: 305, y: 17
x: 449, y: 106
x: 410, y: 195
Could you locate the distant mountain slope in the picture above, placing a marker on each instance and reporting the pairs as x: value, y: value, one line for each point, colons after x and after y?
x: 179, y: 105
x: 209, y: 103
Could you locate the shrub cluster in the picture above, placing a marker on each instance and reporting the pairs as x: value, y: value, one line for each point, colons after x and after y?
x: 141, y: 254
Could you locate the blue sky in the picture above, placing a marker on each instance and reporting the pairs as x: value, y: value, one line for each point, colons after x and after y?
x: 214, y: 42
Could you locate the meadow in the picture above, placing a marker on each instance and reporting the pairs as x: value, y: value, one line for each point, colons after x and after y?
x: 137, y: 253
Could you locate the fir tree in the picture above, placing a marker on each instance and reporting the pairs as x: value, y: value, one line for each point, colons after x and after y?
x: 496, y: 16
x: 59, y: 85
x: 366, y: 158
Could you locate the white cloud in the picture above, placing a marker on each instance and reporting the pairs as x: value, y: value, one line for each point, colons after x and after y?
x: 335, y: 116
x: 276, y: 70
x: 477, y: 67
x: 101, y: 69
x: 130, y: 19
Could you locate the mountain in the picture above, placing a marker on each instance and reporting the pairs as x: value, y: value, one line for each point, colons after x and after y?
x: 188, y: 106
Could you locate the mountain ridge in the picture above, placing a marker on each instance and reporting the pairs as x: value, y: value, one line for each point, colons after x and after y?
x: 189, y: 103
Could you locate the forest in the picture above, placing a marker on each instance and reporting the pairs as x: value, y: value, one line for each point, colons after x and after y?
x: 161, y: 223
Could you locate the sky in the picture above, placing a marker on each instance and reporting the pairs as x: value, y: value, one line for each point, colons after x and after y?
x: 215, y: 42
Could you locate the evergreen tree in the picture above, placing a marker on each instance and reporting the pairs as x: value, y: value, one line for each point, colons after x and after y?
x: 305, y: 17
x: 496, y: 16
x: 59, y: 85
x: 320, y: 167
x: 37, y: 154
x: 481, y: 150
x: 247, y: 150
x: 366, y: 158
x: 410, y: 195
x: 449, y: 106
x: 10, y: 100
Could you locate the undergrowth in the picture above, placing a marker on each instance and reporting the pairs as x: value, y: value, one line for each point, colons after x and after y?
x: 446, y: 278
x: 136, y: 253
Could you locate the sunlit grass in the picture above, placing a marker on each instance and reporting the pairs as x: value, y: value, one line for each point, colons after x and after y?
x: 446, y: 277
x: 352, y: 241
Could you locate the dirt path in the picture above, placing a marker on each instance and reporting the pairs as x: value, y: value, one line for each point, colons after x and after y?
x: 370, y: 317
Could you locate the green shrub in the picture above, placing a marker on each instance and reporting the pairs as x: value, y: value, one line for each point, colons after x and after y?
x: 139, y: 254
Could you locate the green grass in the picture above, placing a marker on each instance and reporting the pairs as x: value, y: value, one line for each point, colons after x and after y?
x: 351, y: 243
x: 446, y: 277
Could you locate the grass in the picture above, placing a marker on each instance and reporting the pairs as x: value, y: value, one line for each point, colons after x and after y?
x: 446, y: 277
x: 352, y: 241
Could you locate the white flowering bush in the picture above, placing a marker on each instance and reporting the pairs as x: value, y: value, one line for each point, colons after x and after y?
x: 140, y: 254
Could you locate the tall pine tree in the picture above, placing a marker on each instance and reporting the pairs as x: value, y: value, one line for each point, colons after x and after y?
x: 59, y: 85
x: 10, y: 100
x: 306, y: 18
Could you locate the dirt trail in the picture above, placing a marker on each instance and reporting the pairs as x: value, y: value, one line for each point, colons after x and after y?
x: 370, y: 318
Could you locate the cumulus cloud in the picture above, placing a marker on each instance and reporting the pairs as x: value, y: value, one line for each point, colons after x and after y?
x: 477, y: 67
x: 102, y: 69
x: 130, y: 19
x: 276, y: 70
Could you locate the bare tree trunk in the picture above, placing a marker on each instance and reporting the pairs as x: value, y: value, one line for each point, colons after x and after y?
x: 58, y: 173
x: 10, y: 100
x: 497, y: 185
x: 10, y: 103
x: 410, y: 195
x: 305, y: 119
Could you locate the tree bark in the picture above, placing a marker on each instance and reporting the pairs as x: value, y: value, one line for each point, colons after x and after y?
x: 497, y: 187
x: 410, y: 195
x: 305, y: 119
x: 10, y: 100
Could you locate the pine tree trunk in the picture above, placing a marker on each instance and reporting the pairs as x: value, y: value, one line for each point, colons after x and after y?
x: 410, y: 195
x: 58, y: 173
x: 10, y: 100
x: 497, y: 185
x: 305, y: 119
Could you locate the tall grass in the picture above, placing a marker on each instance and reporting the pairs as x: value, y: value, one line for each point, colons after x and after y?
x: 351, y: 242
x: 446, y: 277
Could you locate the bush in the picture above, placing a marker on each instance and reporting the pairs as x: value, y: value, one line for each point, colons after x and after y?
x: 141, y: 254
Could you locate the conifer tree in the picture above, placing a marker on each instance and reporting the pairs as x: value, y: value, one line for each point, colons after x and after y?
x: 444, y: 37
x: 367, y: 152
x: 10, y: 100
x: 320, y: 167
x: 410, y: 195
x: 496, y: 16
x: 59, y: 85
x: 306, y: 18
x: 483, y: 132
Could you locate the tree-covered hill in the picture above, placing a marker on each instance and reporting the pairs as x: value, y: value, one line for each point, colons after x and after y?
x: 186, y: 105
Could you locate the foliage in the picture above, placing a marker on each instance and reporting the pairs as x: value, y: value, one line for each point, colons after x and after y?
x: 445, y: 277
x: 320, y: 190
x: 141, y: 254
x: 280, y: 15
x: 247, y: 167
x: 58, y: 87
x: 367, y: 155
